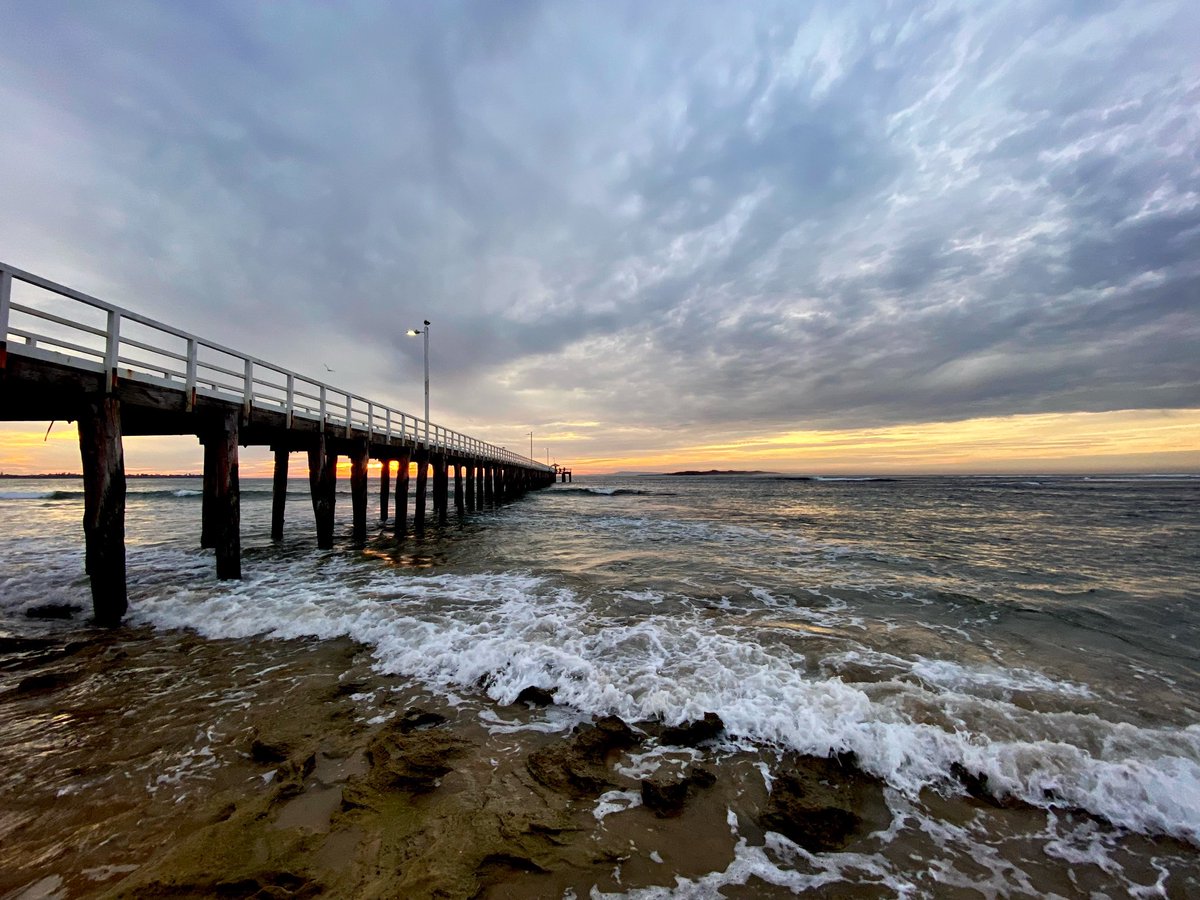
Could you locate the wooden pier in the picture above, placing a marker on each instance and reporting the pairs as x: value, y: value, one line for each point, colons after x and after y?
x: 66, y: 356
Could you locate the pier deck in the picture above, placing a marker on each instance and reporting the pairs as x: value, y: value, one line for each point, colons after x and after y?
x: 70, y: 357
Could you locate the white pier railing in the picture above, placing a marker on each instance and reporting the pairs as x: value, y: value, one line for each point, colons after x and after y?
x: 42, y: 320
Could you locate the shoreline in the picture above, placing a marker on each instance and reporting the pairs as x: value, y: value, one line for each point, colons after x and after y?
x: 247, y: 766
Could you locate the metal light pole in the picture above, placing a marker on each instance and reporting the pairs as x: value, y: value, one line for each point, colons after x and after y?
x: 531, y: 445
x: 425, y: 331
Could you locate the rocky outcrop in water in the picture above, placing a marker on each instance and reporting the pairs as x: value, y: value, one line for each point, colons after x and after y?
x: 665, y: 793
x: 579, y: 765
x: 535, y: 696
x: 824, y: 803
x: 410, y: 758
x: 697, y: 731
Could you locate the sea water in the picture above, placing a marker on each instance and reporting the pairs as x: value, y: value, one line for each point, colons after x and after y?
x: 1040, y: 631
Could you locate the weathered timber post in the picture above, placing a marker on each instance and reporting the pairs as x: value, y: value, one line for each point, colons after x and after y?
x: 459, y: 501
x: 385, y: 488
x: 358, y: 489
x: 469, y: 474
x: 103, y: 460
x: 228, y: 500
x: 401, y: 496
x: 441, y: 489
x: 322, y: 484
x: 489, y: 485
x: 480, y: 470
x: 208, y: 493
x: 279, y: 493
x: 422, y: 482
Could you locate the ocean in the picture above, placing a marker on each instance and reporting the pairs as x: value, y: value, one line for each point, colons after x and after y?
x: 1038, y: 636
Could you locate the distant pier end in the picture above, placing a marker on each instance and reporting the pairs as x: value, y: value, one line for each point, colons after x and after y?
x: 67, y: 356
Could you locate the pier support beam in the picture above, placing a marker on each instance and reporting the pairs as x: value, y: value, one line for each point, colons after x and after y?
x: 459, y: 499
x: 385, y: 489
x: 208, y: 494
x: 358, y: 490
x: 441, y: 489
x: 401, y: 496
x: 422, y: 483
x: 227, y: 499
x: 322, y: 483
x: 279, y: 493
x: 103, y: 460
x: 469, y: 474
x: 480, y: 469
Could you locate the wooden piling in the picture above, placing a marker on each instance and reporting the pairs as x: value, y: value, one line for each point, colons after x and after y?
x: 401, y: 496
x: 479, y: 473
x: 459, y: 499
x: 469, y: 474
x: 227, y: 498
x: 279, y: 493
x: 384, y: 489
x: 208, y: 493
x: 103, y: 458
x: 358, y: 490
x: 441, y: 489
x: 322, y: 483
x: 419, y: 503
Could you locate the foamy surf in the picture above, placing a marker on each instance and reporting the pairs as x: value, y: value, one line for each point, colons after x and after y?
x: 506, y: 631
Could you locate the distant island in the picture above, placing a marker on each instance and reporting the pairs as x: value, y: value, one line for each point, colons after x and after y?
x: 720, y: 472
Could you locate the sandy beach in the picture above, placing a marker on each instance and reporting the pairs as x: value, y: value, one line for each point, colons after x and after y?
x: 292, y: 769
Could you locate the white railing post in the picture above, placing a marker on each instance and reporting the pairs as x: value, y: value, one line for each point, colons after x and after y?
x: 5, y: 303
x: 248, y: 387
x: 349, y: 416
x: 291, y: 398
x: 112, y: 347
x: 192, y: 360
x: 387, y: 418
x: 370, y: 420
x: 323, y: 407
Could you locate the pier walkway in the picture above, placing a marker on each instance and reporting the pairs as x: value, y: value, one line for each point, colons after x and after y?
x: 70, y: 357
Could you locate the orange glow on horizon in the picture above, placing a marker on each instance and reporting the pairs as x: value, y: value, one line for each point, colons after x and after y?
x: 1127, y: 440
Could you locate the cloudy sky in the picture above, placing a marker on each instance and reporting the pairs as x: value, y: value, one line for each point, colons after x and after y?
x: 825, y: 236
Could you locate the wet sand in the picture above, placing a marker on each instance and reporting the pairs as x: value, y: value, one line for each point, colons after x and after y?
x: 137, y: 763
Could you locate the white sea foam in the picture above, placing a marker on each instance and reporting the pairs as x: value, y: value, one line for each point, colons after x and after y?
x: 509, y: 631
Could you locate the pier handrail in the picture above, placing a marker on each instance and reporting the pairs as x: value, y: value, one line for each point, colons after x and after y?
x: 200, y: 367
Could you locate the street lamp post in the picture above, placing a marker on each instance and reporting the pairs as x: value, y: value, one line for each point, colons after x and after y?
x: 531, y: 445
x: 425, y: 331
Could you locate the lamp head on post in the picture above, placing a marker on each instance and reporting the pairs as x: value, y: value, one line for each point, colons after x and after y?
x: 425, y: 331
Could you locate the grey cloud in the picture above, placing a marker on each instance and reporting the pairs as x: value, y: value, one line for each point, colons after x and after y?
x: 746, y: 217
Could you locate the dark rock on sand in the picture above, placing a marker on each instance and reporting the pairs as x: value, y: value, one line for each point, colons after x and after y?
x: 44, y: 682
x: 267, y: 753
x: 53, y: 611
x: 347, y: 688
x: 416, y: 718
x: 665, y: 793
x: 824, y: 803
x: 411, y: 760
x: 535, y: 696
x: 579, y: 765
x: 977, y: 787
x: 689, y: 734
x: 257, y: 885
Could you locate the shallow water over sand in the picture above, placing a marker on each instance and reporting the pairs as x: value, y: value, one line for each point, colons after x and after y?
x: 1039, y: 632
